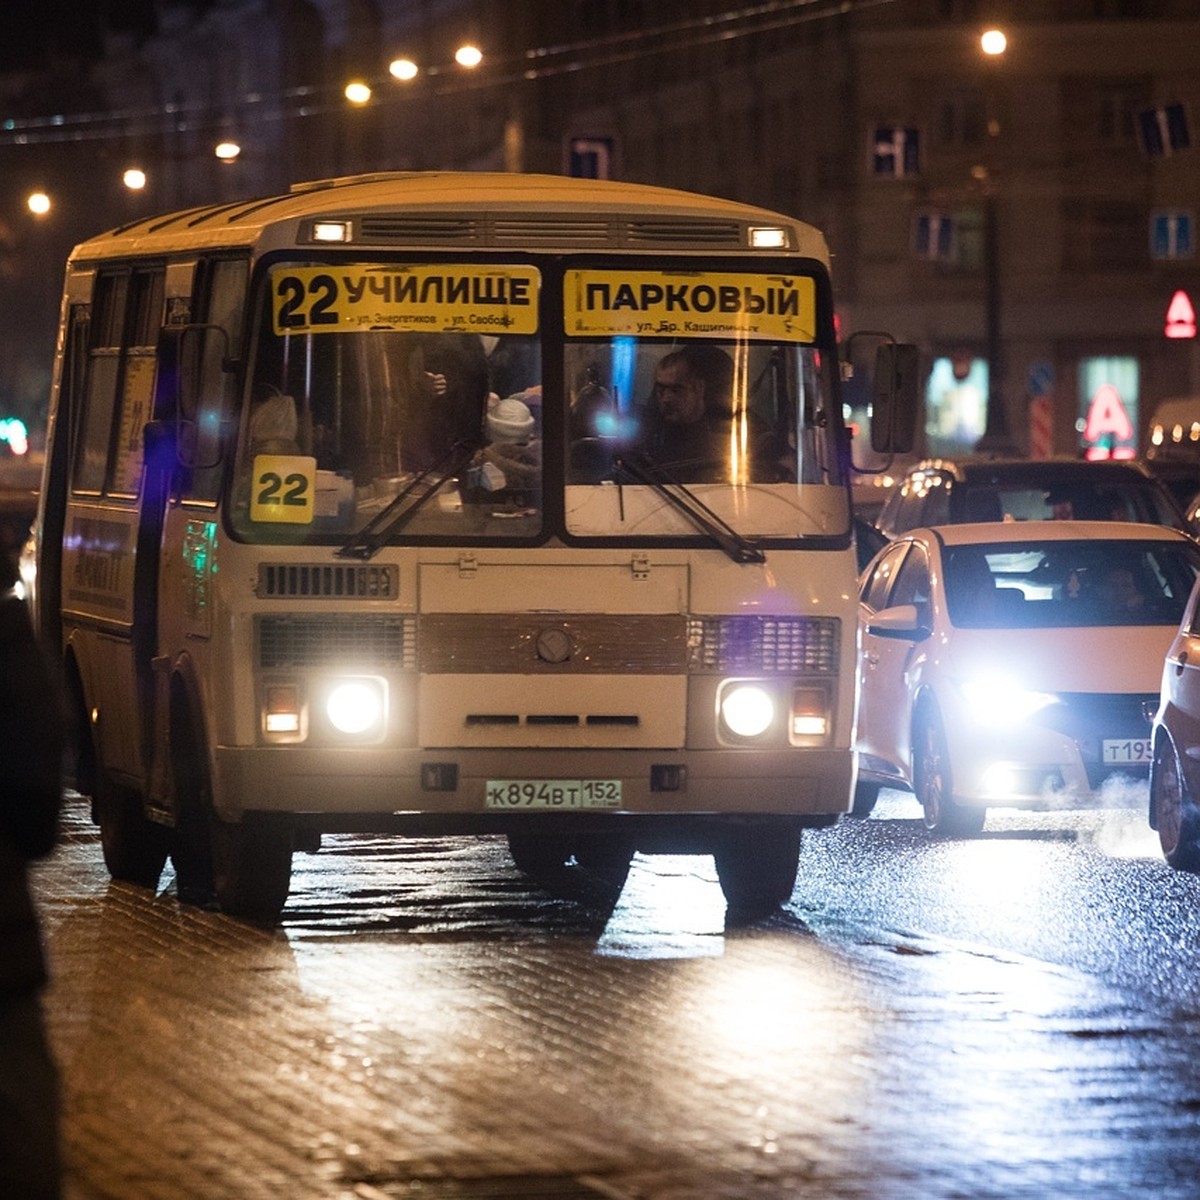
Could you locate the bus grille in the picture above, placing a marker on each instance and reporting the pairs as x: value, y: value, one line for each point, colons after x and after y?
x: 336, y: 640
x: 321, y: 581
x: 784, y: 645
x: 402, y: 228
x: 548, y: 230
x: 684, y: 233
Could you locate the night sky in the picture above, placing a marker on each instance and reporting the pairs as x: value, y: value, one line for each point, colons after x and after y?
x: 34, y: 33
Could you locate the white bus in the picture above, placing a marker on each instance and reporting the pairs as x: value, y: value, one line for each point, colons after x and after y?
x: 379, y: 506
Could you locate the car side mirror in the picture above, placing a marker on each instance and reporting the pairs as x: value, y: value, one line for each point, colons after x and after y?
x: 903, y: 622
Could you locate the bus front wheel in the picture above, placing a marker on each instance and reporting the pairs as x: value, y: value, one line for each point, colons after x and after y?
x: 252, y: 868
x: 756, y: 865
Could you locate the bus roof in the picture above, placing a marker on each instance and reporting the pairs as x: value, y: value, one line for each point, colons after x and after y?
x: 465, y: 210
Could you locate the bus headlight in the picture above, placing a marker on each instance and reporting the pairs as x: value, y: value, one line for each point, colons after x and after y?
x: 747, y: 710
x: 357, y: 707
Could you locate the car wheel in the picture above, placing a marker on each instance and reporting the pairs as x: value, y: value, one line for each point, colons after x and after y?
x: 1175, y: 814
x: 865, y: 796
x: 934, y: 784
x: 756, y: 866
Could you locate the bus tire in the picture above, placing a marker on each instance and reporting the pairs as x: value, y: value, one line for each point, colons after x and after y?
x: 135, y: 848
x: 756, y: 865
x: 252, y: 869
x: 865, y: 797
x: 539, y: 855
x: 607, y: 856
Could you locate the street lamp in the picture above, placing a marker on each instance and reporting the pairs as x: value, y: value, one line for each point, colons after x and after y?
x: 996, y: 437
x: 39, y: 204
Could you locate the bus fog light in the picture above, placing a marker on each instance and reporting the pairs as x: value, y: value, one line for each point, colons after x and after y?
x: 810, y: 716
x: 356, y: 706
x: 748, y: 711
x: 282, y: 713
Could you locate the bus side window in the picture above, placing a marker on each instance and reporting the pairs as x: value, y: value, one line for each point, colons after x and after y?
x: 100, y: 391
x: 222, y: 302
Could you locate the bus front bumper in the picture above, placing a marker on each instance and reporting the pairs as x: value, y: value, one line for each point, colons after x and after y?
x: 451, y: 791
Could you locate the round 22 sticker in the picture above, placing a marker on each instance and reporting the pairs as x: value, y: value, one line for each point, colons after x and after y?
x: 283, y: 488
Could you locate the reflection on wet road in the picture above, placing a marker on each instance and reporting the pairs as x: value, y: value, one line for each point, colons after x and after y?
x: 1006, y: 1017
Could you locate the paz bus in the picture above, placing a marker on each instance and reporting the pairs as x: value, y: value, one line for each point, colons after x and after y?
x: 376, y: 506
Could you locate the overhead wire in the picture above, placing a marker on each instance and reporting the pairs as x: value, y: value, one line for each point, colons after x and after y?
x: 542, y: 62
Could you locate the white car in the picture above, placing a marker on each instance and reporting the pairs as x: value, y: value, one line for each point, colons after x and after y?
x: 1175, y: 769
x: 1014, y: 664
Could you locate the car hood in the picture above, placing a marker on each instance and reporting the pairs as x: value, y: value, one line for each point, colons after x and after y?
x: 1123, y: 659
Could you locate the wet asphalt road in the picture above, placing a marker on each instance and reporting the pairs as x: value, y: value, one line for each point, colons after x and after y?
x: 1010, y: 1016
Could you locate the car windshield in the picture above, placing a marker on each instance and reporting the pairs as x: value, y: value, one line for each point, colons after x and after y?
x: 1079, y: 497
x: 1065, y: 584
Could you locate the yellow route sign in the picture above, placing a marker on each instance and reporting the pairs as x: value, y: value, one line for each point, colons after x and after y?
x: 700, y: 304
x: 435, y: 298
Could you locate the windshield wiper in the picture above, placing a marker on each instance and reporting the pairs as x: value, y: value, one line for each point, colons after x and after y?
x: 398, y: 511
x: 737, y: 547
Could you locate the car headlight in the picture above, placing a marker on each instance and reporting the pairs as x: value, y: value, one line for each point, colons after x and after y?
x: 357, y: 707
x: 747, y: 710
x: 1000, y: 702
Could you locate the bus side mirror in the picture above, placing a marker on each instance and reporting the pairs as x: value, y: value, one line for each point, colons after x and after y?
x: 184, y: 353
x: 894, y: 398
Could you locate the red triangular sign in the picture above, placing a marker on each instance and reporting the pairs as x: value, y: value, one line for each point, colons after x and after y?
x: 1181, y: 317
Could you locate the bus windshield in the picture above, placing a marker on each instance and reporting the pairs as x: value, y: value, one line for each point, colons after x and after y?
x: 391, y: 403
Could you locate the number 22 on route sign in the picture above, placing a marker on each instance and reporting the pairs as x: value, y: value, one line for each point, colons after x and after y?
x: 284, y: 489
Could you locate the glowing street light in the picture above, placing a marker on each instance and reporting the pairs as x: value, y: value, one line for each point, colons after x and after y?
x: 996, y: 437
x: 39, y: 204
x: 134, y: 179
x: 993, y: 42
x: 227, y: 151
x: 468, y: 56
x: 357, y: 92
x: 403, y: 69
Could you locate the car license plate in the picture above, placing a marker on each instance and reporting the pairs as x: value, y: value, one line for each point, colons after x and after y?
x: 552, y: 793
x: 1126, y: 750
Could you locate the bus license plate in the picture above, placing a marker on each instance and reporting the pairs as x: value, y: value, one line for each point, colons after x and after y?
x: 1126, y: 750
x: 553, y: 793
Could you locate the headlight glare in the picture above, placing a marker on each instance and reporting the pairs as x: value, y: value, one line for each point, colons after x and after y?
x: 1000, y: 702
x: 747, y: 710
x: 356, y: 707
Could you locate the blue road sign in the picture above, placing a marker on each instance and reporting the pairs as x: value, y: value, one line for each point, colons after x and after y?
x: 1172, y: 234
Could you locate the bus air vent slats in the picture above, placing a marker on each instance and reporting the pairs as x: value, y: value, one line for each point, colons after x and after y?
x: 336, y: 640
x: 532, y: 232
x: 398, y: 227
x: 678, y: 232
x: 327, y: 581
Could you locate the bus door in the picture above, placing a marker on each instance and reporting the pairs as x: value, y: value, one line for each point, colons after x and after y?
x: 198, y: 414
x: 112, y: 522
